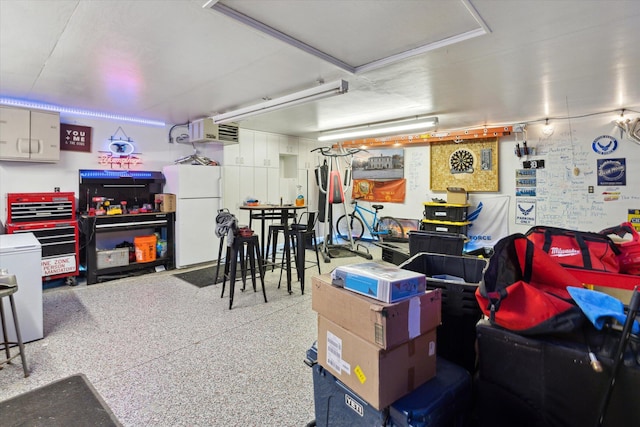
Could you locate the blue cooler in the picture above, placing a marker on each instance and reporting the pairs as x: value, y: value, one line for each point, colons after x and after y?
x: 444, y: 401
x: 335, y: 404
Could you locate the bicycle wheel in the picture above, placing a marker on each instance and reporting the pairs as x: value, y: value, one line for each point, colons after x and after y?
x: 357, y: 227
x: 389, y: 228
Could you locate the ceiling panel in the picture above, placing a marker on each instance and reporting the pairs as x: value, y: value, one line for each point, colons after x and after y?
x: 176, y: 61
x: 360, y: 32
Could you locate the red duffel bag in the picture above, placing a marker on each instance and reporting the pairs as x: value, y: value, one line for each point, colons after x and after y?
x: 627, y: 240
x: 579, y: 249
x: 525, y: 290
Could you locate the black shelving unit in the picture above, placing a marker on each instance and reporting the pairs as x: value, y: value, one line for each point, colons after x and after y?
x: 93, y: 226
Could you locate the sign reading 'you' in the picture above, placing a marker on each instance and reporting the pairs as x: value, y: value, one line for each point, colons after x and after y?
x: 75, y: 138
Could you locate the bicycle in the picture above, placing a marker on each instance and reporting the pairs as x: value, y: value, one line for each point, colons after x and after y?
x: 385, y: 227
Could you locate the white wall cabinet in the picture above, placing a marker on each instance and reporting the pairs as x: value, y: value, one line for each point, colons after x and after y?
x: 288, y: 144
x: 29, y: 135
x: 241, y: 154
x: 266, y: 149
x: 306, y: 158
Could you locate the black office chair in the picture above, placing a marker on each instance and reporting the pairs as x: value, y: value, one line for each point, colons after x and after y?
x: 300, y: 233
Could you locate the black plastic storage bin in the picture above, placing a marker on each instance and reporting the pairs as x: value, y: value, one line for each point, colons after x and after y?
x: 548, y: 380
x: 457, y: 227
x: 434, y: 242
x: 445, y: 211
x: 458, y: 277
x: 443, y: 401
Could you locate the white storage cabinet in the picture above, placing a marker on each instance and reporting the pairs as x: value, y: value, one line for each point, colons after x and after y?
x: 29, y: 135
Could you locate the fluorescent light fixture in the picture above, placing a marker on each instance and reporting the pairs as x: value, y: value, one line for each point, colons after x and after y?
x: 14, y: 102
x: 322, y: 91
x: 397, y: 127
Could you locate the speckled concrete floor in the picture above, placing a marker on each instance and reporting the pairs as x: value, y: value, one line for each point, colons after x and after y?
x: 162, y: 352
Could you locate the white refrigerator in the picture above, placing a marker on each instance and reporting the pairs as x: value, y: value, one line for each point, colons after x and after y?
x: 21, y: 255
x: 198, y: 191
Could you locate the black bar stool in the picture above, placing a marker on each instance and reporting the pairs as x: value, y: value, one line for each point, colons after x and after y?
x: 236, y: 252
x: 274, y: 232
x: 299, y: 233
x: 8, y: 287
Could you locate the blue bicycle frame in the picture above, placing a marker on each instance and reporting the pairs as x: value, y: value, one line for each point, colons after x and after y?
x: 370, y: 227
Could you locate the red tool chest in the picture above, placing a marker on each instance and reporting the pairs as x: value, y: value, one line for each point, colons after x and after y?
x: 51, y: 217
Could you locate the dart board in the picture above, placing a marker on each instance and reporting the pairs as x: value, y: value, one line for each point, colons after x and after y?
x: 461, y: 161
x: 471, y: 165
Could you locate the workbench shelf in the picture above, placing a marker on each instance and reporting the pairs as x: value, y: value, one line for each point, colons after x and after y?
x: 100, y: 231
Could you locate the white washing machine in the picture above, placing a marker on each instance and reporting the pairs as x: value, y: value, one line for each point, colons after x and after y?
x: 21, y: 254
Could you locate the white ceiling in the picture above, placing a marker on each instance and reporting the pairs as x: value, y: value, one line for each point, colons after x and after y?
x: 176, y: 61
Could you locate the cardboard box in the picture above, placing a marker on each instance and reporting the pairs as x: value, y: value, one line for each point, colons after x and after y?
x: 166, y: 202
x: 382, y: 281
x: 457, y: 196
x: 378, y: 376
x: 382, y: 324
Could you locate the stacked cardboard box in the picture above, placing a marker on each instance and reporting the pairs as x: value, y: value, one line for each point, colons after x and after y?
x: 381, y: 351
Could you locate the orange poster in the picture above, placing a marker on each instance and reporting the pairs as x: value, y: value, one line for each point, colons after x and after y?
x: 379, y: 191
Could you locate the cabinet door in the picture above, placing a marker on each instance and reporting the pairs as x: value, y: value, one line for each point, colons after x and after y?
x: 238, y: 185
x: 288, y: 144
x: 303, y: 153
x: 45, y: 136
x: 266, y: 149
x: 240, y: 154
x: 14, y: 134
x: 259, y: 148
x: 273, y: 185
x: 261, y: 185
x: 232, y: 155
x: 246, y: 147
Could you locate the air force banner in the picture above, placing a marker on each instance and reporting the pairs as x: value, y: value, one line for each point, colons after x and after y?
x: 489, y: 223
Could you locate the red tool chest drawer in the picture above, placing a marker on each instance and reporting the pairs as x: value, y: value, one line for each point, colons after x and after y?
x: 51, y: 217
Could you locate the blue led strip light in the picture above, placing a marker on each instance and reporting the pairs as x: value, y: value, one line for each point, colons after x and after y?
x: 78, y: 112
x: 110, y: 174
